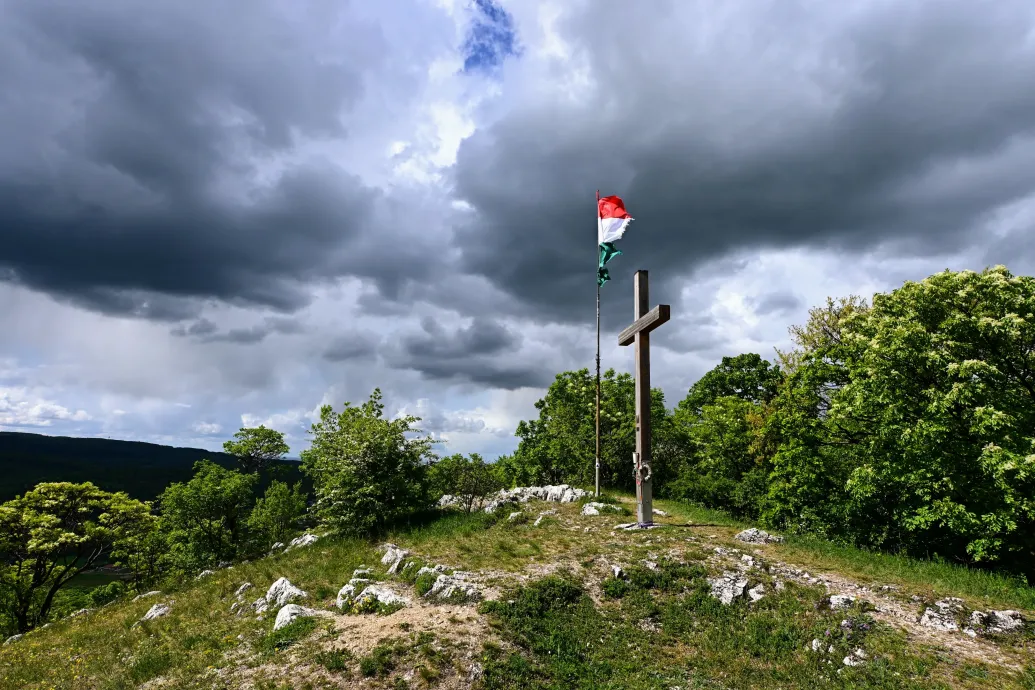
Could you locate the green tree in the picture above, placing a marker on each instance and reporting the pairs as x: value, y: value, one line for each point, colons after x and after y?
x: 367, y: 471
x: 205, y: 519
x: 921, y: 412
x: 277, y: 514
x: 257, y: 448
x: 54, y: 532
x: 747, y: 377
x: 470, y: 479
x: 560, y: 446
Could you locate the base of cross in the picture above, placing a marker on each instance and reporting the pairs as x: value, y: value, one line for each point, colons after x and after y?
x: 628, y: 526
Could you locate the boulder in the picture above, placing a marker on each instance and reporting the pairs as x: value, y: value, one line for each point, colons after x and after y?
x: 145, y: 595
x: 361, y: 572
x: 347, y: 594
x: 393, y: 556
x: 757, y: 592
x: 304, y: 540
x: 370, y: 593
x: 945, y: 615
x: 204, y: 573
x: 757, y: 536
x: 856, y: 658
x: 453, y: 588
x: 242, y: 589
x: 80, y: 612
x: 727, y: 587
x: 513, y: 516
x: 156, y: 611
x: 12, y: 639
x: 280, y: 592
x: 996, y: 622
x: 292, y: 612
x: 841, y: 601
x: 277, y: 547
x: 595, y: 508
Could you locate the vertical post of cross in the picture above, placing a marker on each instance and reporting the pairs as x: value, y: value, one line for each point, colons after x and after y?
x: 645, y: 321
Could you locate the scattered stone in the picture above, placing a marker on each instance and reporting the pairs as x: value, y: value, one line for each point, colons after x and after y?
x: 242, y: 589
x: 779, y: 585
x: 362, y: 572
x: 277, y: 547
x: 728, y: 587
x: 292, y: 612
x: 235, y: 606
x: 660, y: 513
x: 393, y: 556
x: 856, y: 658
x: 78, y: 613
x: 757, y: 592
x: 757, y: 536
x: 145, y: 595
x: 224, y: 564
x: 513, y: 516
x: 817, y: 645
x: 304, y: 540
x: 12, y: 639
x: 594, y: 508
x: 841, y: 601
x: 748, y: 560
x: 475, y: 672
x: 204, y: 573
x: 453, y: 588
x: 435, y: 570
x: 543, y: 515
x: 649, y: 565
x: 617, y: 571
x: 945, y: 615
x: 156, y: 611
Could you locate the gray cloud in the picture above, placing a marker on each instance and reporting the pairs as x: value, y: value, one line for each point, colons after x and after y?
x: 846, y: 131
x: 345, y: 348
x: 779, y: 302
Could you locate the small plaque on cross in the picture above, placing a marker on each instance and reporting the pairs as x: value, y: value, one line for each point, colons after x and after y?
x: 645, y: 321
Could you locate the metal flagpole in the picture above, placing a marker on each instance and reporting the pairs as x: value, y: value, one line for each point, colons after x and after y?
x: 598, y: 349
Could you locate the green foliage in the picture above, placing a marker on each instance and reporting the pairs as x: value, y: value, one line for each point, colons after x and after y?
x: 54, y: 532
x: 910, y: 425
x: 366, y: 470
x: 257, y: 448
x: 291, y: 633
x: 335, y: 660
x: 277, y: 514
x: 470, y: 479
x: 560, y: 446
x: 205, y: 520
x: 746, y: 377
x: 379, y: 662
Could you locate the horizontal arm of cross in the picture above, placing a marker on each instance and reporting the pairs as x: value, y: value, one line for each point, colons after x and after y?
x: 645, y: 324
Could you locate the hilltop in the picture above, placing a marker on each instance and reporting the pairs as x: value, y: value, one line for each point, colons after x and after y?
x: 143, y: 470
x: 547, y: 595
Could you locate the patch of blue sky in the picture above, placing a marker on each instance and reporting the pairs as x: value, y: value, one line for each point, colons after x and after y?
x: 491, y: 38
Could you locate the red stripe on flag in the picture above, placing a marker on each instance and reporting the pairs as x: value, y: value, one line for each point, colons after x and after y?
x: 611, y: 207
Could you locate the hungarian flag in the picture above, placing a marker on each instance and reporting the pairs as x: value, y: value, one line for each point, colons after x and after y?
x: 612, y: 221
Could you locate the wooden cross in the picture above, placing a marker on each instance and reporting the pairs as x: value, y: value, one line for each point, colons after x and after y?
x: 639, y: 333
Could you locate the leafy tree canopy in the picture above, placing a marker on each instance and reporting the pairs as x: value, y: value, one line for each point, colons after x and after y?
x: 257, y: 448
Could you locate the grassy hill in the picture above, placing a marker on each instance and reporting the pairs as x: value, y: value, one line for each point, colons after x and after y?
x: 142, y: 470
x: 554, y: 616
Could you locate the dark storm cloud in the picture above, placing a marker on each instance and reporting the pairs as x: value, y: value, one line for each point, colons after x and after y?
x: 130, y: 151
x: 485, y: 352
x: 346, y: 348
x: 818, y: 127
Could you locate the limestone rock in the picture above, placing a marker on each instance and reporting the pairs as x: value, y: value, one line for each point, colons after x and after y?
x: 856, y: 658
x: 660, y: 513
x: 817, y: 646
x: 12, y: 639
x: 757, y: 592
x: 204, y: 573
x: 280, y: 592
x: 595, y: 508
x: 242, y: 589
x: 757, y: 536
x: 996, y: 622
x: 945, y: 615
x: 347, y: 594
x: 80, y: 612
x: 361, y: 572
x: 543, y: 515
x: 382, y: 595
x: 292, y: 612
x: 277, y: 547
x: 453, y: 588
x: 728, y: 587
x: 841, y: 601
x: 617, y: 571
x: 561, y: 493
x: 145, y: 595
x: 393, y: 556
x: 156, y: 611
x: 304, y: 540
x: 513, y: 516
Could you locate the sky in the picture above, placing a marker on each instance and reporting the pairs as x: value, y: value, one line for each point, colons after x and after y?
x: 219, y: 213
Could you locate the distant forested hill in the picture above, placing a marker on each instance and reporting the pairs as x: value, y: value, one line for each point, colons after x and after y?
x: 142, y: 470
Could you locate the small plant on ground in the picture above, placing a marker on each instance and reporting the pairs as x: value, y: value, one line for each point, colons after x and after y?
x: 288, y: 635
x: 334, y: 660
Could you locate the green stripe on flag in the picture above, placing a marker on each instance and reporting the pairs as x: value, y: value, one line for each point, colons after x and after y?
x: 608, y: 251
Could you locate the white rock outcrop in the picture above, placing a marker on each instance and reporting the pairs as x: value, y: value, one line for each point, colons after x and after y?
x: 841, y: 601
x: 156, y: 611
x: 996, y: 622
x: 347, y: 593
x: 595, y: 508
x: 453, y: 588
x: 242, y: 589
x: 757, y: 536
x: 145, y: 595
x: 292, y: 612
x: 727, y: 587
x: 204, y: 573
x: 945, y: 615
x: 393, y: 556
x: 280, y: 593
x: 757, y: 592
x: 368, y: 593
x: 304, y: 540
x: 561, y: 493
x: 12, y: 639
